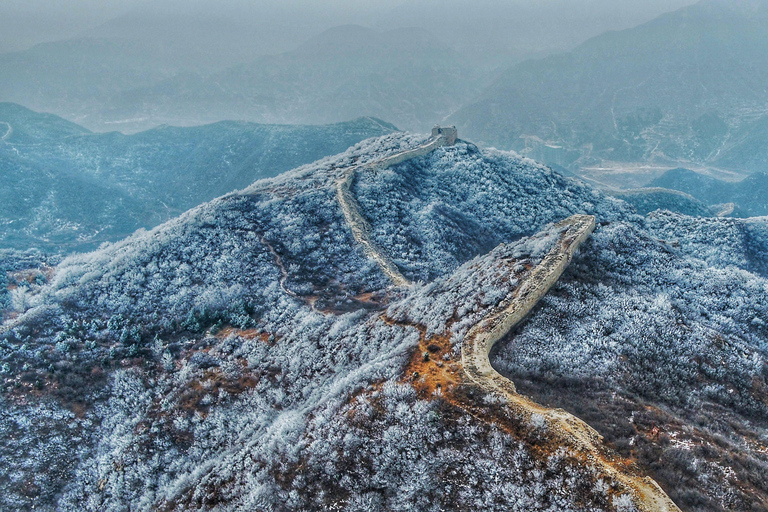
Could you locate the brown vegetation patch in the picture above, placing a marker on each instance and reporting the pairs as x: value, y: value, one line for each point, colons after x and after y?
x: 432, y: 370
x: 460, y: 399
x: 247, y: 334
x: 336, y: 300
x: 437, y: 375
x: 213, y: 381
x: 29, y: 275
x: 71, y: 386
x: 670, y: 447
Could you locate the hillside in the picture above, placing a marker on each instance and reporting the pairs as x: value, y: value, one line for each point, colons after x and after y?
x: 665, y: 359
x: 646, y: 200
x: 685, y: 86
x: 67, y: 188
x: 250, y: 354
x: 750, y: 195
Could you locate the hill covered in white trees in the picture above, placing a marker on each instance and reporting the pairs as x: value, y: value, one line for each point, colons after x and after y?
x: 248, y: 355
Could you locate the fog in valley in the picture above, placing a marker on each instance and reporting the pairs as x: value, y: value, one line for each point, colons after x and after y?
x: 132, y: 65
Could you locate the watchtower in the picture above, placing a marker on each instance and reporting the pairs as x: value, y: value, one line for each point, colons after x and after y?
x: 449, y: 132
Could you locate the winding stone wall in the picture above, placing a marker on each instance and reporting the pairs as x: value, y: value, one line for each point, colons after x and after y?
x: 567, y: 428
x: 361, y: 229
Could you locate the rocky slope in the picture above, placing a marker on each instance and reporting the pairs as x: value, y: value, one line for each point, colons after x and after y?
x: 248, y: 354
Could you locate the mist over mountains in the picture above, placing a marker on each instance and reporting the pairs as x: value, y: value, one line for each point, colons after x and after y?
x: 686, y: 86
x: 273, y: 288
x: 419, y: 62
x: 404, y: 75
x: 682, y: 88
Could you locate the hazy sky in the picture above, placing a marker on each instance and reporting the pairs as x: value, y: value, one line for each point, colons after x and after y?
x: 24, y: 23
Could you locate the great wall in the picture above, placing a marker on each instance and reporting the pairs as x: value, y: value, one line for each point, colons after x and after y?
x: 565, y: 428
x: 570, y: 430
x: 360, y: 228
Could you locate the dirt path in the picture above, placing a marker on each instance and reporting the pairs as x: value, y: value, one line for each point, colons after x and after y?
x: 284, y: 277
x: 8, y: 132
x: 361, y: 229
x: 566, y: 428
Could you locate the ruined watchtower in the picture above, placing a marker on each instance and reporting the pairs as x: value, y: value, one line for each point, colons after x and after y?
x: 449, y: 132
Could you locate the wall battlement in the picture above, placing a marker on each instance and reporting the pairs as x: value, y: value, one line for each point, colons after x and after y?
x: 450, y: 133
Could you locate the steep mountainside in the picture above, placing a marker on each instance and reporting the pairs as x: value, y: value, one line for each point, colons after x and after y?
x: 657, y: 338
x: 683, y: 87
x: 248, y: 354
x: 750, y: 195
x: 67, y: 187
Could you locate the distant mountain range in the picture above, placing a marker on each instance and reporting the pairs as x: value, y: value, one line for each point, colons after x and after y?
x: 750, y: 195
x: 65, y: 188
x: 686, y: 86
x: 406, y: 76
x: 164, y: 61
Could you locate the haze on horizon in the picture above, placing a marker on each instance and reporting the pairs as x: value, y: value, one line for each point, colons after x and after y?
x: 544, y: 26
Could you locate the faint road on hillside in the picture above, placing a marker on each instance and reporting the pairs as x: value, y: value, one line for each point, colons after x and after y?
x: 8, y: 132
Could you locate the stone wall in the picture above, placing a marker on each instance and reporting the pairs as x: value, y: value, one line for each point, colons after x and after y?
x: 360, y: 228
x: 564, y: 427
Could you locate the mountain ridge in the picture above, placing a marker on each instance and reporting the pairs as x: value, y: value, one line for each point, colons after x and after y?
x: 183, y: 342
x: 139, y: 180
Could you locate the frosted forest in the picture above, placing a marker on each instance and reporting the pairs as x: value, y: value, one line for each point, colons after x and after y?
x: 247, y: 355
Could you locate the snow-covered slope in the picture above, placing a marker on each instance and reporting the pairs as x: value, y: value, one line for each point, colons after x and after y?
x: 247, y: 355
